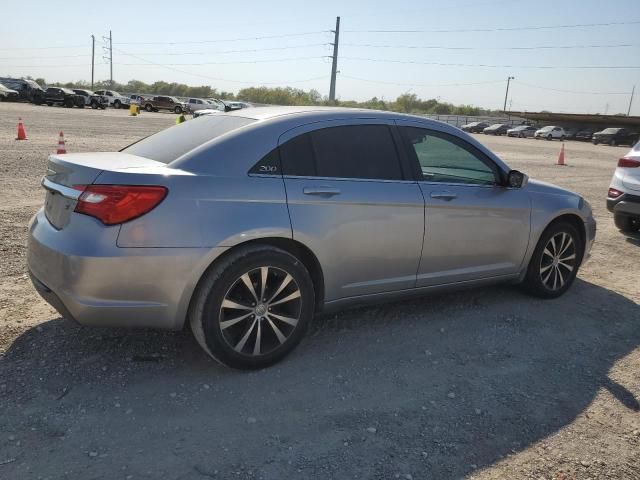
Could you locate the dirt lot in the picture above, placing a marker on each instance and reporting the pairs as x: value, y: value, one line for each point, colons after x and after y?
x: 486, y: 383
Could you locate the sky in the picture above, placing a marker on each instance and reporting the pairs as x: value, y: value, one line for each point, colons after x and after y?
x: 458, y: 51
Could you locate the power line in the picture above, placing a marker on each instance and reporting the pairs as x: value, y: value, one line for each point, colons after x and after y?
x: 239, y: 62
x: 421, y: 84
x: 546, y: 67
x: 48, y: 56
x: 222, y: 52
x: 442, y: 47
x: 43, y: 48
x: 501, y: 29
x: 569, y: 91
x: 217, y: 79
x: 237, y: 39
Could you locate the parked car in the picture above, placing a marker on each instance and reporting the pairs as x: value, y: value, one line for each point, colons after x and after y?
x: 584, y: 135
x: 550, y: 132
x: 474, y: 127
x: 137, y: 99
x: 28, y: 90
x: 245, y: 224
x: 195, y: 104
x: 8, y: 94
x: 115, y: 99
x: 571, y: 133
x: 623, y: 198
x: 496, y: 129
x: 91, y: 99
x: 63, y: 96
x: 615, y: 136
x: 521, y: 131
x: 161, y: 102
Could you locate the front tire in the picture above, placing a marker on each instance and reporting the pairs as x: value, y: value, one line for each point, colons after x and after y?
x: 253, y: 308
x: 613, y: 142
x: 555, y: 261
x: 626, y: 224
x: 178, y: 110
x: 117, y: 104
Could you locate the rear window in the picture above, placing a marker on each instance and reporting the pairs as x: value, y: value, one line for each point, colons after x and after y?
x: 167, y: 145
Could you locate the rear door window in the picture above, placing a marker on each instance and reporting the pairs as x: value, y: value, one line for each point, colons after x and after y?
x: 350, y: 151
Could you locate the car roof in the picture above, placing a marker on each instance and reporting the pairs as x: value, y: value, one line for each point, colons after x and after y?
x: 271, y: 113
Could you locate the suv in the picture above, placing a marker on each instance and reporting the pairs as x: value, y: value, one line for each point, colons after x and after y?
x: 623, y: 199
x: 63, y: 96
x: 28, y: 90
x: 91, y: 99
x: 615, y: 136
x: 550, y: 133
x: 7, y: 94
x: 115, y: 99
x: 165, y: 103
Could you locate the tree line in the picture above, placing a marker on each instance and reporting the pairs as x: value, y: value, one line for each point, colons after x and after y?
x: 406, y: 103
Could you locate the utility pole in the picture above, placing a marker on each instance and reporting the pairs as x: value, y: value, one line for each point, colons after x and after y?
x: 93, y: 57
x: 631, y: 100
x: 110, y: 59
x: 109, y: 50
x: 504, y: 109
x: 334, y: 65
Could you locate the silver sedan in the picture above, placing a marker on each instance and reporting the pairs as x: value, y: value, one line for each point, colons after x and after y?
x: 246, y: 224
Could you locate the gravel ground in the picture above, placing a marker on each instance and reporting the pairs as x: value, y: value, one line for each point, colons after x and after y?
x: 483, y: 384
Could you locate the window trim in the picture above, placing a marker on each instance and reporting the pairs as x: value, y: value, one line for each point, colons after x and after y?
x: 417, y: 169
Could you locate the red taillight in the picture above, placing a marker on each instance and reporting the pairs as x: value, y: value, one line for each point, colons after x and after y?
x: 628, y: 163
x: 113, y: 204
x: 613, y: 193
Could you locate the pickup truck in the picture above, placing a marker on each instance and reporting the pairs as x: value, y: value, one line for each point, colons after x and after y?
x: 91, y: 99
x: 115, y: 99
x: 63, y: 96
x: 160, y: 102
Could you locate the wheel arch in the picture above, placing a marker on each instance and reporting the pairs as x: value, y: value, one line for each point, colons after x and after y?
x: 295, y: 248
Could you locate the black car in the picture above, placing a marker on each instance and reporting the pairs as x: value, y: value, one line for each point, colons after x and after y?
x: 615, y: 136
x: 28, y: 90
x: 497, y: 129
x: 584, y: 135
x: 474, y: 127
x: 91, y: 99
x: 63, y: 96
x: 571, y: 133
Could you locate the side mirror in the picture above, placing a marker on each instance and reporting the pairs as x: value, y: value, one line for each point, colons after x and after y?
x: 516, y: 179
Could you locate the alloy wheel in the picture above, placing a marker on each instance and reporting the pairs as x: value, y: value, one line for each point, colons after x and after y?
x: 260, y: 311
x: 558, y: 261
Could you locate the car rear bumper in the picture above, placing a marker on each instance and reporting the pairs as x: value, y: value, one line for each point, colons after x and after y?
x: 96, y: 284
x: 625, y: 204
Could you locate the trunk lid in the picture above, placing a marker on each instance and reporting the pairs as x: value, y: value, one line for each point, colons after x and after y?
x: 69, y: 170
x: 631, y: 176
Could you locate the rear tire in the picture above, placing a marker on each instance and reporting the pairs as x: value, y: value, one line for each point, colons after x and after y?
x: 94, y: 104
x: 613, y: 142
x: 626, y: 223
x: 555, y: 261
x: 252, y: 322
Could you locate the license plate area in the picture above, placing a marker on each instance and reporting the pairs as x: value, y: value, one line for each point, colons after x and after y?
x: 58, y: 209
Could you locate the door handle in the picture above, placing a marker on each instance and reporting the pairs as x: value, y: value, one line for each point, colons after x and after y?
x: 443, y: 195
x: 321, y: 190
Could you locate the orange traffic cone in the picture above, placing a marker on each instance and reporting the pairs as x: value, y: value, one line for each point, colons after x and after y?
x: 561, y: 156
x: 61, y: 147
x: 22, y: 135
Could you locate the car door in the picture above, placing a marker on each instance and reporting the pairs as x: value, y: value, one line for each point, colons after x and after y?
x: 351, y: 203
x: 475, y: 228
